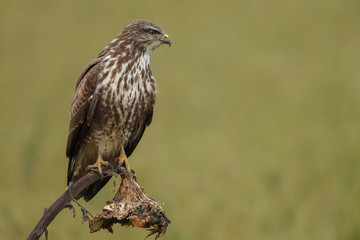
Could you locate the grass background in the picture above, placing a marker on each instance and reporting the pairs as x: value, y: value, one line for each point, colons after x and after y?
x: 256, y: 127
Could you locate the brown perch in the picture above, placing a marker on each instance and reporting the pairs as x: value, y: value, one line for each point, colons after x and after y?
x: 130, y: 206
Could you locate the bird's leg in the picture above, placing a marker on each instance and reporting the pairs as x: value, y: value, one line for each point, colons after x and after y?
x: 99, y: 162
x: 123, y: 159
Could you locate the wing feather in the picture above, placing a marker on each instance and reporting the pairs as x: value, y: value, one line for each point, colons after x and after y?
x: 137, y: 134
x: 82, y: 110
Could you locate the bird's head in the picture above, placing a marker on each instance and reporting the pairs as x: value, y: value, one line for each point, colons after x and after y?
x: 146, y: 35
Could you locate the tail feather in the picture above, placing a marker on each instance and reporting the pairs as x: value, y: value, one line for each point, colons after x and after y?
x: 94, y: 188
x: 81, y: 169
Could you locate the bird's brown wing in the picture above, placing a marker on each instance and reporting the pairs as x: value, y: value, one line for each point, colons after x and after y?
x: 138, y: 133
x: 82, y: 109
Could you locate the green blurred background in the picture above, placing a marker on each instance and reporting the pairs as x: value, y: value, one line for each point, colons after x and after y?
x: 256, y: 127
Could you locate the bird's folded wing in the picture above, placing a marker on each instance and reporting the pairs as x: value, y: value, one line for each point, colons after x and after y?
x: 82, y: 108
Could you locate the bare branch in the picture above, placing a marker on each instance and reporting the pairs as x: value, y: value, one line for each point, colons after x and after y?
x: 64, y: 201
x: 139, y: 209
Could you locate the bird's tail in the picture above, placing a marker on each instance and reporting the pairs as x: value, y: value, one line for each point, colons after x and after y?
x: 81, y: 169
x: 94, y: 188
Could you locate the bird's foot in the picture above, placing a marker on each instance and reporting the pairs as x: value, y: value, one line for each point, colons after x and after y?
x: 99, y: 163
x: 123, y: 160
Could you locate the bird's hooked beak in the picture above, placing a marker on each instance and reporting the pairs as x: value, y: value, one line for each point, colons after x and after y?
x: 166, y: 40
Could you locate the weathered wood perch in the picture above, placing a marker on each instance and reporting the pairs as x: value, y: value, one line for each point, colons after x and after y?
x: 130, y: 206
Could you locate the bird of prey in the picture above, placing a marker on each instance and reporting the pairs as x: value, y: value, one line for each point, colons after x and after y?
x: 113, y: 103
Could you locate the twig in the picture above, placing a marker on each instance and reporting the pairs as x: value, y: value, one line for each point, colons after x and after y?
x: 130, y: 206
x: 64, y: 201
x: 84, y: 211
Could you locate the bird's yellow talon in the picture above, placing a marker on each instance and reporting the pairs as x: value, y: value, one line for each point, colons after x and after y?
x: 121, y: 160
x: 98, y: 165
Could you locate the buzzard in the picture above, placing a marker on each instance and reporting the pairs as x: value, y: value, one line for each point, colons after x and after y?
x: 113, y: 103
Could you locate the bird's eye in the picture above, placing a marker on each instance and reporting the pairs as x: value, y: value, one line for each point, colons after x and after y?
x: 152, y: 32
